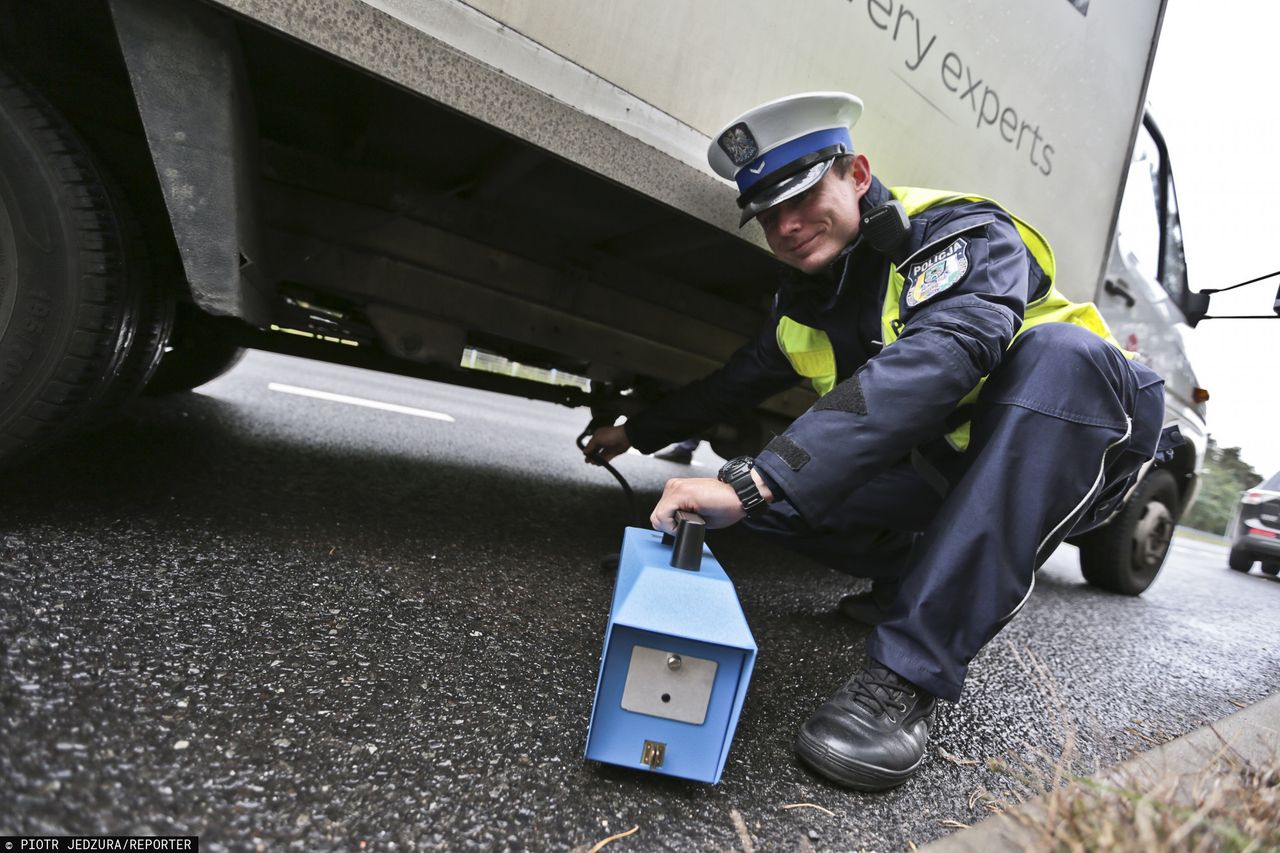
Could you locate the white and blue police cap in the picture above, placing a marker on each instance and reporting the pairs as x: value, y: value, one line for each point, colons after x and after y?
x: 778, y: 150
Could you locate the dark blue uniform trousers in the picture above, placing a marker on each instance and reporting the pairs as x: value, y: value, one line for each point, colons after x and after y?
x: 1058, y: 435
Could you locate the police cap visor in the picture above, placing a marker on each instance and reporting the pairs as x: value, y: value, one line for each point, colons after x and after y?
x: 780, y: 191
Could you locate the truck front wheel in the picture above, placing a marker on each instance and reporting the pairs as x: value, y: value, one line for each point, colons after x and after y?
x: 1126, y: 554
x: 65, y: 323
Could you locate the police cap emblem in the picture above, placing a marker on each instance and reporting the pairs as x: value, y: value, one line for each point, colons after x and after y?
x: 739, y: 144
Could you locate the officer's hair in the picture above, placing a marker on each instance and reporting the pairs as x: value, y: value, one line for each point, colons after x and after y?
x: 842, y: 165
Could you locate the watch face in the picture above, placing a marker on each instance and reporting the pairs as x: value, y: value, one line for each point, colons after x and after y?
x: 735, y: 467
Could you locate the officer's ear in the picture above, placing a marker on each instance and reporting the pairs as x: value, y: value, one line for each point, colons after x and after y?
x: 860, y: 172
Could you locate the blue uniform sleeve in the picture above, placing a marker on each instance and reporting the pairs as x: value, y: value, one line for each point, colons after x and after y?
x: 754, y: 373
x: 961, y: 309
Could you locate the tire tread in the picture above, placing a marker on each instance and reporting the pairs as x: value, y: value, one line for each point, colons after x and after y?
x: 97, y: 316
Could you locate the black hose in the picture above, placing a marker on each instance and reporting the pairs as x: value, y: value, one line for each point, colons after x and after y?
x: 622, y: 481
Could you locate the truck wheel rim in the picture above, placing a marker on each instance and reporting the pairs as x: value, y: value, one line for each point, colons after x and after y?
x: 1152, y: 536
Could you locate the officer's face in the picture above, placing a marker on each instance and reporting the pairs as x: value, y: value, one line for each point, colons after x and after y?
x: 808, y: 231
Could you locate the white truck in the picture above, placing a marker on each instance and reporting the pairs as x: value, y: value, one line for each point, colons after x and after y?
x: 392, y: 183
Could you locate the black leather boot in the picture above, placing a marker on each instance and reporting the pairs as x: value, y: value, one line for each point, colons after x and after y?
x: 871, y: 735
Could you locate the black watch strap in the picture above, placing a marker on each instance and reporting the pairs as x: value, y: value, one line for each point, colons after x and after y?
x: 737, y: 473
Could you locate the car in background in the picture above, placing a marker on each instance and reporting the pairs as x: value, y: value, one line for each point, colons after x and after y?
x: 1256, y: 529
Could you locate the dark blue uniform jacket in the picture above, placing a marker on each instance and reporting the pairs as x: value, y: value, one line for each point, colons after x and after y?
x: 904, y: 394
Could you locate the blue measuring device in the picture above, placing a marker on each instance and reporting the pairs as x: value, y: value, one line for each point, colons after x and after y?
x: 677, y: 658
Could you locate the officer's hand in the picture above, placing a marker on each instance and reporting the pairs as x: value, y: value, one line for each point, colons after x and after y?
x: 715, y: 501
x: 606, y: 443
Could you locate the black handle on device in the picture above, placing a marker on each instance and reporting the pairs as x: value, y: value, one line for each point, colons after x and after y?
x: 686, y: 545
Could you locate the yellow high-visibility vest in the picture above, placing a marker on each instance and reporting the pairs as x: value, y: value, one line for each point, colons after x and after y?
x: 810, y: 352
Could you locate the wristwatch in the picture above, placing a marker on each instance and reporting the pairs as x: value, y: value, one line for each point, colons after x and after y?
x: 737, y: 473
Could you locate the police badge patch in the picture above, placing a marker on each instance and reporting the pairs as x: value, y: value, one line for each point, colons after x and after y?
x: 945, y: 269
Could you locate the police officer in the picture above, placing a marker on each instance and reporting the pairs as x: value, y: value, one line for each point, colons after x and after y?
x: 970, y: 417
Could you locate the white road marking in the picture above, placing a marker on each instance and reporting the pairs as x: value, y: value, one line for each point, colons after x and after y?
x: 358, y: 401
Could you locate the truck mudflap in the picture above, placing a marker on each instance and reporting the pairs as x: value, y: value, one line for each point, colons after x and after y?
x: 187, y: 75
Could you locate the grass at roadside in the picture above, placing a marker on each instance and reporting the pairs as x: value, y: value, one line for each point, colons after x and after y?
x: 1231, y: 802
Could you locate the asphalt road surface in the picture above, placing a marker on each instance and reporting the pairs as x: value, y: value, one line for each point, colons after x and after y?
x: 275, y: 619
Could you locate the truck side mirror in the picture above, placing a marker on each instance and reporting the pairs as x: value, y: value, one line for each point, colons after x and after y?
x: 1194, y: 306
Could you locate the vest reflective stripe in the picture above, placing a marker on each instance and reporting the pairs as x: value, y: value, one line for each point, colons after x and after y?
x: 810, y: 352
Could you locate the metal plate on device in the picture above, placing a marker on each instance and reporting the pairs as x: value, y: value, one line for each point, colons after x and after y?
x: 656, y: 687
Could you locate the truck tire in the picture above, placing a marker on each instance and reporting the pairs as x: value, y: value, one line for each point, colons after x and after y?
x: 154, y: 324
x: 1240, y: 561
x: 1126, y: 554
x: 150, y: 313
x: 1272, y: 569
x: 64, y: 319
x: 198, y: 352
